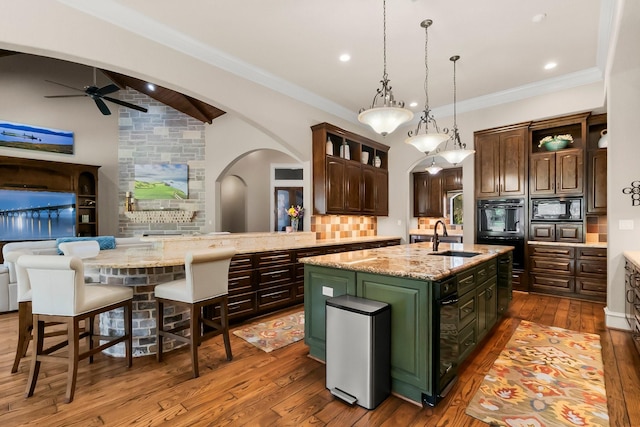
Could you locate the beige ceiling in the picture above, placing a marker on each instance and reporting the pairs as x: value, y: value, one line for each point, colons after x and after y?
x: 293, y: 45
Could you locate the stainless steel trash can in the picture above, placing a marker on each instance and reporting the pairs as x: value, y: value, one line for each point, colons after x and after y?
x: 358, y: 344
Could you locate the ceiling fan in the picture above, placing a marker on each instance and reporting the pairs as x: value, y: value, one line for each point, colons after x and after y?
x: 98, y: 95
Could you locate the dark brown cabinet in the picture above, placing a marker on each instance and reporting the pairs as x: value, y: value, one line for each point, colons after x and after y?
x: 357, y: 185
x: 452, y: 179
x: 579, y: 272
x: 596, y: 166
x: 427, y: 195
x: 556, y: 173
x: 557, y: 232
x: 500, y: 162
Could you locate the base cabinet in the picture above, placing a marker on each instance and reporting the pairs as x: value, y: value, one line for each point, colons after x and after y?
x: 578, y: 272
x: 412, y: 317
x: 632, y: 299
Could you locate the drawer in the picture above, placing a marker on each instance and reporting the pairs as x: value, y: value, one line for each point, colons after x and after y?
x: 303, y: 253
x: 551, y: 284
x: 268, y: 298
x: 485, y: 271
x: 466, y: 281
x: 591, y: 267
x: 242, y: 305
x: 274, y: 276
x: 467, y: 308
x: 241, y: 262
x: 593, y: 253
x: 298, y: 288
x: 267, y: 259
x: 552, y: 265
x: 552, y: 251
x: 596, y: 288
x: 298, y: 271
x: 240, y: 281
x: 467, y: 340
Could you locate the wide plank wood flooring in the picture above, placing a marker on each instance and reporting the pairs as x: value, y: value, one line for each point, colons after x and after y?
x: 285, y: 387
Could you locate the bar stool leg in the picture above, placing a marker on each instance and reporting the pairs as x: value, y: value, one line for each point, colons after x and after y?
x: 72, y: 363
x: 195, y: 337
x: 159, y: 328
x: 25, y: 326
x: 38, y: 338
x: 224, y: 320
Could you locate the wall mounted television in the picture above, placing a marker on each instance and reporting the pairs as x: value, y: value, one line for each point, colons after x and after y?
x: 36, y: 215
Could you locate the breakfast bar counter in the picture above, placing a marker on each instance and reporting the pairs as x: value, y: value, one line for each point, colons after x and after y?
x: 162, y: 260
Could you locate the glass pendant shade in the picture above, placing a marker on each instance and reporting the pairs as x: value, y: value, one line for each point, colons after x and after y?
x: 385, y: 114
x: 427, y: 142
x: 384, y: 120
x: 455, y: 156
x: 433, y: 168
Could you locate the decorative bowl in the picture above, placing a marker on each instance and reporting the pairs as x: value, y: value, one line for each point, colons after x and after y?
x: 556, y: 144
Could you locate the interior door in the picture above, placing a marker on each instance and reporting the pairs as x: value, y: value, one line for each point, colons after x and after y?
x: 285, y: 197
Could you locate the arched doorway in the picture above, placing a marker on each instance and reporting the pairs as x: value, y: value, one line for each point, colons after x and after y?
x: 233, y: 206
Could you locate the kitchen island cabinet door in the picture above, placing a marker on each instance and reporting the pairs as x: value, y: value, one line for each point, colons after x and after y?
x: 321, y: 283
x: 410, y: 329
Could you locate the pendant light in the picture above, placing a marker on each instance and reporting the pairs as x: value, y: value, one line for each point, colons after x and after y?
x: 459, y: 152
x: 385, y: 118
x: 425, y: 141
x: 433, y: 168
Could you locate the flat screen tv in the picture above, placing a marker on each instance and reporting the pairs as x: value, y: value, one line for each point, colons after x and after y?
x: 36, y: 215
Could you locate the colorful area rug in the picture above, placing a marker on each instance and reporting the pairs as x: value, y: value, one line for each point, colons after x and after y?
x: 544, y: 377
x: 274, y: 334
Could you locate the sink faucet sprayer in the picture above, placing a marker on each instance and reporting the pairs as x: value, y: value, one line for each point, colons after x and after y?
x: 436, y: 241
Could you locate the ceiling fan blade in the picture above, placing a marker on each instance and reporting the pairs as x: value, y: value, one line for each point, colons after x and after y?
x: 63, y: 85
x: 106, y: 90
x: 125, y: 104
x: 102, y: 106
x: 63, y: 96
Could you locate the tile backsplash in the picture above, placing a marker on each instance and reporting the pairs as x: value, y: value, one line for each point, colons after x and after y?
x: 429, y: 223
x: 596, y: 229
x: 343, y: 226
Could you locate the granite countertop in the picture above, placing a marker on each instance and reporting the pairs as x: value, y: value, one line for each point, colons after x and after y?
x: 576, y: 245
x: 633, y: 257
x: 411, y: 261
x: 160, y: 254
x: 430, y: 232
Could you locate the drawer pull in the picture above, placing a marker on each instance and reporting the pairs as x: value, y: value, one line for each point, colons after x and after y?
x: 632, y: 293
x: 469, y: 343
x: 467, y: 309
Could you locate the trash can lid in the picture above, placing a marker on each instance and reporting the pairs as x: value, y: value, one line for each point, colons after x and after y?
x: 358, y: 305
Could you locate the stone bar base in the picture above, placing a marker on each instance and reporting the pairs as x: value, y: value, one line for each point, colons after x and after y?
x: 143, y: 281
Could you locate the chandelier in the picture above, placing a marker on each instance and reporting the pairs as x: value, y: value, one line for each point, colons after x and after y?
x: 459, y: 152
x: 385, y: 113
x: 421, y: 138
x: 433, y: 168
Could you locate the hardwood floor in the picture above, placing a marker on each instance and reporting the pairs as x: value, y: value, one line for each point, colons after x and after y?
x: 284, y: 387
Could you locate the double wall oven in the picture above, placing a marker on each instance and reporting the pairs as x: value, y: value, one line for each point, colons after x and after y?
x: 502, y: 222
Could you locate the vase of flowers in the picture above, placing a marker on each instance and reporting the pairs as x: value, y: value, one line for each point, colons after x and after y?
x: 556, y: 142
x: 295, y: 213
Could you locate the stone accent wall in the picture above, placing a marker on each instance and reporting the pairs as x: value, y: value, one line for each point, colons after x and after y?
x: 343, y: 226
x: 160, y: 136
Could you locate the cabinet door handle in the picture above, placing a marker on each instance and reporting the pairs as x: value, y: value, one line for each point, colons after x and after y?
x: 467, y: 309
x: 469, y: 343
x: 630, y: 292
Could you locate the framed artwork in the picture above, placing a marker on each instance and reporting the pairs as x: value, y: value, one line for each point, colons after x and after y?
x: 28, y: 137
x: 161, y: 181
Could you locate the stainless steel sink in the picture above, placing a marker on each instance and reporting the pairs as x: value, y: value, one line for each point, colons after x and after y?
x: 462, y: 254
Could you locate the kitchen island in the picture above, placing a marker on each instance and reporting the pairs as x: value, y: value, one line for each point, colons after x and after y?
x: 442, y: 305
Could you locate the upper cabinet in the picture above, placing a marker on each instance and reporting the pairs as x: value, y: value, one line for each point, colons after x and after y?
x: 500, y: 161
x: 596, y: 165
x: 559, y: 172
x: 452, y: 179
x: 350, y: 173
x: 427, y: 195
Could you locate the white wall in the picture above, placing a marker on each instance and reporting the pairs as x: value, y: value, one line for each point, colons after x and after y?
x: 623, y: 159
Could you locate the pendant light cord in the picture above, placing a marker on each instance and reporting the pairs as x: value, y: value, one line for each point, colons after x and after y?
x: 384, y: 39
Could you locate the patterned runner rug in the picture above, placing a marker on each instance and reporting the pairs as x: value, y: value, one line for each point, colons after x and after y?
x: 545, y: 376
x: 274, y: 334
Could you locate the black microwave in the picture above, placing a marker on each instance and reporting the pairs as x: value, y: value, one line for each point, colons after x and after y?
x: 557, y: 209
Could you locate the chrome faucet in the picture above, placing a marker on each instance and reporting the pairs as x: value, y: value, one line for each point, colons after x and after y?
x: 436, y: 240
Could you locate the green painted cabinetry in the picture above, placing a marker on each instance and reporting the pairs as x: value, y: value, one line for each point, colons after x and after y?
x: 321, y: 283
x: 410, y: 302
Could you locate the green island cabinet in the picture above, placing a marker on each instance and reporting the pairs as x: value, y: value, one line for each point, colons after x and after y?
x: 412, y: 311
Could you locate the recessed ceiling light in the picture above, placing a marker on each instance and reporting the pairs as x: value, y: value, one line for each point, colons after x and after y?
x: 345, y: 57
x: 413, y: 104
x: 550, y: 65
x: 151, y: 86
x: 539, y: 17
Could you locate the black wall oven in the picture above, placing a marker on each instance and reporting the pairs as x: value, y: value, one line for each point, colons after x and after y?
x: 501, y: 222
